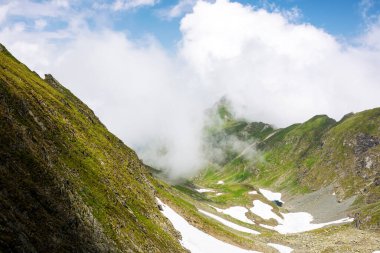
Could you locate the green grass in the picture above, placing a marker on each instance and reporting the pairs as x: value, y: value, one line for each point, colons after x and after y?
x: 66, y: 140
x: 304, y: 157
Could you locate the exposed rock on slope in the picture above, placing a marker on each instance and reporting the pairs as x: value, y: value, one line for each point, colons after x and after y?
x: 66, y: 183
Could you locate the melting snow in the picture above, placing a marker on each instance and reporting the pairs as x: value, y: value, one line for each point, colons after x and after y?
x: 237, y: 212
x: 204, y: 190
x: 220, y: 182
x: 291, y: 222
x: 219, y: 193
x: 229, y: 224
x: 281, y: 248
x: 196, y: 240
x: 271, y: 196
x: 264, y: 211
x: 252, y: 192
x: 300, y: 222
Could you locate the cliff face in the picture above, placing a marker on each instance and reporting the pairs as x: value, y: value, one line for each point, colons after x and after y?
x: 66, y: 183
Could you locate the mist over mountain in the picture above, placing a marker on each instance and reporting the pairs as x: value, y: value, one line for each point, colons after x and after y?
x: 272, y: 68
x: 64, y: 175
x: 189, y: 126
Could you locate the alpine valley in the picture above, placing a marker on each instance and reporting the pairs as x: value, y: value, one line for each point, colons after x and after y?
x: 69, y: 185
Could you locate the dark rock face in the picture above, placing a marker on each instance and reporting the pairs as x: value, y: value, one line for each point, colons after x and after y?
x: 278, y: 203
x: 365, y: 142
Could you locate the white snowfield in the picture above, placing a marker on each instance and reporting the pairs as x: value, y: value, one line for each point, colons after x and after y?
x: 196, y: 240
x: 204, y: 190
x: 218, y: 194
x: 220, y: 182
x: 271, y: 196
x: 301, y: 222
x: 199, y: 242
x: 292, y: 222
x: 264, y: 211
x: 229, y: 223
x: 281, y: 248
x: 237, y: 212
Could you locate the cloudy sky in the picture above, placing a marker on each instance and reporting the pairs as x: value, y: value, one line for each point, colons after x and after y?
x: 149, y: 68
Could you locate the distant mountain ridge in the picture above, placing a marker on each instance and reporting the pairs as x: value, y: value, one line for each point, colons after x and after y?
x: 304, y: 157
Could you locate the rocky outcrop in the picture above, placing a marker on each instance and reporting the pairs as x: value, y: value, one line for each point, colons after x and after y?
x: 365, y: 142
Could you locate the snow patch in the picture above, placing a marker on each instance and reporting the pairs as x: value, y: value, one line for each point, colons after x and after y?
x: 264, y: 211
x: 237, y: 212
x: 220, y: 182
x: 271, y: 196
x: 204, y: 190
x: 219, y: 193
x: 301, y: 222
x: 196, y: 240
x: 252, y: 192
x: 229, y: 224
x: 280, y: 248
x: 291, y: 222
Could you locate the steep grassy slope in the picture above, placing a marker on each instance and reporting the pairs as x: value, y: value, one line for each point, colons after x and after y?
x: 290, y: 149
x: 306, y: 157
x: 66, y: 183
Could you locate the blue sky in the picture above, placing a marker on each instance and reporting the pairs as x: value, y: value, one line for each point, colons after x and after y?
x: 342, y: 18
x: 345, y: 19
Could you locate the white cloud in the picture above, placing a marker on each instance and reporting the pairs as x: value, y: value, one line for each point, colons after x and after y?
x: 132, y: 4
x: 182, y: 7
x: 4, y: 12
x: 364, y: 7
x: 31, y: 9
x: 37, y: 15
x: 142, y: 91
x: 134, y: 89
x: 369, y: 11
x: 40, y: 24
x: 62, y: 3
x: 272, y: 69
x: 372, y: 38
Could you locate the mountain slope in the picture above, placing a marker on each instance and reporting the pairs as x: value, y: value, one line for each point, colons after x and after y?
x: 306, y: 157
x: 66, y: 183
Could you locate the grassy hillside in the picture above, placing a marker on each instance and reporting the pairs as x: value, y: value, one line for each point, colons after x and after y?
x: 67, y: 184
x: 303, y: 158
